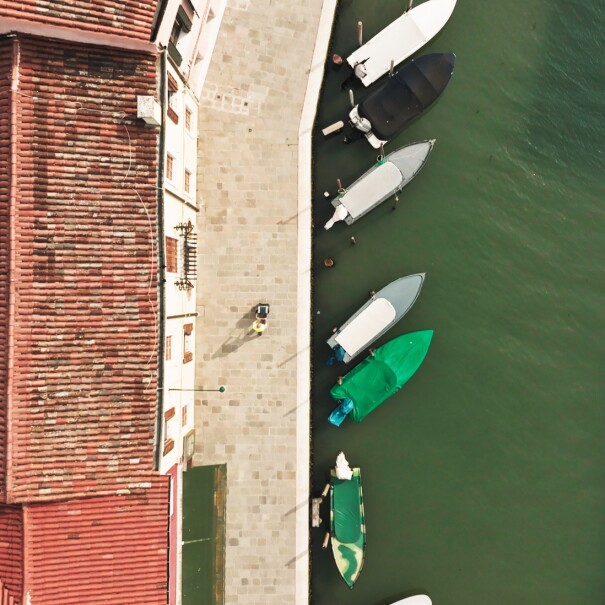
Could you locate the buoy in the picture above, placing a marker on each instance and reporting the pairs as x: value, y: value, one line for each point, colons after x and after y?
x: 360, y: 32
x: 326, y: 194
x: 328, y: 262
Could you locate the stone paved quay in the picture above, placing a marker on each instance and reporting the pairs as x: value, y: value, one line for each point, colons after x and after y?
x: 254, y: 246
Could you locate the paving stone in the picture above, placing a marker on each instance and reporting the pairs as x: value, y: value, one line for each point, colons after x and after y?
x: 247, y: 253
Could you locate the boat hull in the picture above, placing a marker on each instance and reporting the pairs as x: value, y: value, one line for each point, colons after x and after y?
x: 405, y: 96
x: 401, y: 39
x: 401, y: 294
x: 347, y: 525
x: 381, y: 375
x: 387, y: 177
x: 419, y: 599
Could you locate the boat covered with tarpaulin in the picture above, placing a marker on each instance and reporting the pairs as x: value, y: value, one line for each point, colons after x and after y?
x: 389, y: 175
x: 347, y: 524
x: 385, y: 112
x: 400, y: 39
x: 380, y: 313
x: 383, y: 373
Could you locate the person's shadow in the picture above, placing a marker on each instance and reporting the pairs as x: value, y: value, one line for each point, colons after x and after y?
x: 240, y: 335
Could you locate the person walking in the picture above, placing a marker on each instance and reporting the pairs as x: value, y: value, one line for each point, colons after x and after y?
x: 259, y: 326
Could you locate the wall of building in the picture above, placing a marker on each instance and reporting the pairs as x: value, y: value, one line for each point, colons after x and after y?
x: 195, y: 46
x: 180, y: 209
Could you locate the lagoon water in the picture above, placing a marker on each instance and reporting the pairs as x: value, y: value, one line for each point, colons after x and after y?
x: 484, y: 477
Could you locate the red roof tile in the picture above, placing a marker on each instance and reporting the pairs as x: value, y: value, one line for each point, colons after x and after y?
x: 99, y: 551
x: 129, y: 18
x: 5, y: 79
x: 11, y: 552
x: 84, y: 285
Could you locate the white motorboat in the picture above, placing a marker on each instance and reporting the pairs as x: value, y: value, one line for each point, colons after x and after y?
x: 388, y: 176
x: 419, y: 599
x: 399, y: 40
x: 375, y: 317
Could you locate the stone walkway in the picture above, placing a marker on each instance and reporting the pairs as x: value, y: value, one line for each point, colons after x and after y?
x: 251, y: 233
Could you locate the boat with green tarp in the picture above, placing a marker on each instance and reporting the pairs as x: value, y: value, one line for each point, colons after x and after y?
x: 347, y: 522
x: 380, y: 375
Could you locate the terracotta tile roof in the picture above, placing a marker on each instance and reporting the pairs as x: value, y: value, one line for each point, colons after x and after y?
x: 83, y: 400
x: 129, y: 18
x: 11, y: 553
x: 99, y: 551
x: 5, y: 71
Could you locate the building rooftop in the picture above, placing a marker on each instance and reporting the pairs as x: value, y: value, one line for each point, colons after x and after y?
x: 79, y: 310
x: 132, y: 18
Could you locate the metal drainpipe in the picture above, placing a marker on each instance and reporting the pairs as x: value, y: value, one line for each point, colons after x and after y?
x: 161, y: 267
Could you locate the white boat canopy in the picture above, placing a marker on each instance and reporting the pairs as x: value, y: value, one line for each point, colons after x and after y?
x: 380, y: 182
x: 371, y: 321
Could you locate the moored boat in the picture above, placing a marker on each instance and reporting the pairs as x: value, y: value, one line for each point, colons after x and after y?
x: 382, y: 374
x: 385, y: 112
x: 347, y: 520
x: 419, y: 599
x: 400, y: 39
x: 380, y: 313
x: 388, y: 176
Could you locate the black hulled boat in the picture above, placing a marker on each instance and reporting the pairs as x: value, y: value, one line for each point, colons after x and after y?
x: 385, y: 112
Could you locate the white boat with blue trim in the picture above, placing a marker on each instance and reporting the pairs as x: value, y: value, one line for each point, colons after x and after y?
x: 375, y: 317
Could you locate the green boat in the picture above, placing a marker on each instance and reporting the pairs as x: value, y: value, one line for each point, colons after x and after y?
x: 379, y: 376
x: 347, y: 525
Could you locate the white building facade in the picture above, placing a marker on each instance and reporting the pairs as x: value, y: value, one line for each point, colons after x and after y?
x: 186, y: 32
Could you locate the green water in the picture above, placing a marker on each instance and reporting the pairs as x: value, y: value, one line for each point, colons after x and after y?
x: 484, y: 477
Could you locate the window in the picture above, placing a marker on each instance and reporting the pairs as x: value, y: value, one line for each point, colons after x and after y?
x: 189, y: 445
x: 187, y: 181
x: 169, y: 166
x: 187, y: 343
x: 168, y: 348
x: 173, y: 89
x: 168, y: 442
x: 168, y: 446
x: 187, y: 118
x: 171, y: 255
x: 175, y: 34
x: 182, y: 26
